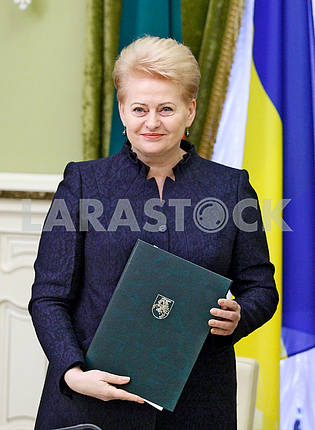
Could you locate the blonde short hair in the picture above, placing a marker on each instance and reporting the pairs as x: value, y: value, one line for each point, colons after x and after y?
x: 160, y: 57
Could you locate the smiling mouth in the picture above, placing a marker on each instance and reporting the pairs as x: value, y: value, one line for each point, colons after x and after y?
x: 152, y: 134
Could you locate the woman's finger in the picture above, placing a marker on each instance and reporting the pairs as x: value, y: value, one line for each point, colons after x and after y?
x: 228, y: 315
x: 111, y: 378
x: 224, y: 325
x: 229, y: 304
x: 119, y: 394
x: 221, y: 332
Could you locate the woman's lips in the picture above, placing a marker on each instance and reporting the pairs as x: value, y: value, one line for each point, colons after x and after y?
x: 152, y: 135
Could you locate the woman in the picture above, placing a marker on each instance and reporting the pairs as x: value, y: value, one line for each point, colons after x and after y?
x: 77, y: 269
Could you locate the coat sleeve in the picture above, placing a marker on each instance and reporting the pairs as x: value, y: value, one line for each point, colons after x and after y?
x: 57, y: 272
x: 251, y: 270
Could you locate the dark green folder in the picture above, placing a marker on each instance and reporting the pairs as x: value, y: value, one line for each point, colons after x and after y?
x: 156, y: 323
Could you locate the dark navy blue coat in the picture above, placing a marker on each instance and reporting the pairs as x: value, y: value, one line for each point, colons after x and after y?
x: 77, y: 271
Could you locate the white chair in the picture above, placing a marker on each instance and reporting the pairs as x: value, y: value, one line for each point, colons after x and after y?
x: 247, y: 378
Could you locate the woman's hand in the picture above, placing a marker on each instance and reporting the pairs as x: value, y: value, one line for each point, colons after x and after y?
x: 228, y: 317
x: 96, y: 383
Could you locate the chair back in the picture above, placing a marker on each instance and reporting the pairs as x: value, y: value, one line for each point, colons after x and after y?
x: 247, y: 379
x: 81, y: 427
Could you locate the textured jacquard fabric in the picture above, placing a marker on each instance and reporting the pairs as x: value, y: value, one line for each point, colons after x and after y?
x: 76, y: 273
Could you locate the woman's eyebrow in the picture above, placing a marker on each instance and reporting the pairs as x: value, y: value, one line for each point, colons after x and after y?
x: 138, y: 103
x: 160, y: 104
x: 167, y: 103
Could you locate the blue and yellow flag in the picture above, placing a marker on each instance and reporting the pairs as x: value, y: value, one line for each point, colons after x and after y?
x: 279, y: 154
x: 263, y: 160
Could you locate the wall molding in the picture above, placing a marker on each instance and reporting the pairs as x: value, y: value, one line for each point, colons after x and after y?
x: 17, y: 340
x: 35, y: 186
x: 17, y: 251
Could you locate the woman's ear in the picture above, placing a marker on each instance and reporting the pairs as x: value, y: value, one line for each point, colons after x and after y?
x: 191, y: 112
x: 121, y: 109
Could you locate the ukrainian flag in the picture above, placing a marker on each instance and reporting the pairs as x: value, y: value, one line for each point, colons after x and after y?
x: 279, y: 155
x: 263, y: 160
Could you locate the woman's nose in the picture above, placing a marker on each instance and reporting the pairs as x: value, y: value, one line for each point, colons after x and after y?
x: 152, y: 120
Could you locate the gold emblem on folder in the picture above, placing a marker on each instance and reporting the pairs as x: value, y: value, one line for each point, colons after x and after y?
x: 162, y: 307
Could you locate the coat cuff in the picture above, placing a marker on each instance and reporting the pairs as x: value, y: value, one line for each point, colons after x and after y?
x: 241, y: 329
x: 62, y: 385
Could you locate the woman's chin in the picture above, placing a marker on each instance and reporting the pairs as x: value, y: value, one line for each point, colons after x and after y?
x: 152, y: 147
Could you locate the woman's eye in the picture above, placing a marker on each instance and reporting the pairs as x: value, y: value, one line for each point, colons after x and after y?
x: 167, y: 109
x: 138, y: 109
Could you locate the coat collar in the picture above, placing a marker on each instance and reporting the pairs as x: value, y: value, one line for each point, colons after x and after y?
x: 178, y: 169
x: 116, y: 174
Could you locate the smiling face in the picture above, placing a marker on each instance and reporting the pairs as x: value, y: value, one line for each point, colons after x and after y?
x: 155, y: 115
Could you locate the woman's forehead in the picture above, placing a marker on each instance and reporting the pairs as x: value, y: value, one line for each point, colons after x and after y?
x: 150, y: 89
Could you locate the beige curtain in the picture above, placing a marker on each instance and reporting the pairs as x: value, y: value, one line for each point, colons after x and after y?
x: 102, y: 38
x: 210, y: 29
